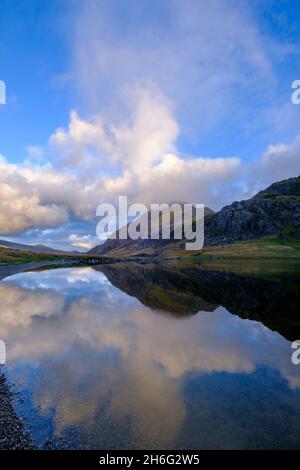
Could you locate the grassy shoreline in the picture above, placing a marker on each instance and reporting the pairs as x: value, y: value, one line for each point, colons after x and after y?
x: 266, y: 248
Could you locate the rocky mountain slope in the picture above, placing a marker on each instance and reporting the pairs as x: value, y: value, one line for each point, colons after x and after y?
x: 275, y: 210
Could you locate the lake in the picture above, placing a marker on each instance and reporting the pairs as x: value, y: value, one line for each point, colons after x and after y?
x: 150, y: 357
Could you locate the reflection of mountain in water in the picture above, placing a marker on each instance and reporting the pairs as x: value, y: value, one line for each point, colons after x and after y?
x: 159, y: 288
x: 188, y: 290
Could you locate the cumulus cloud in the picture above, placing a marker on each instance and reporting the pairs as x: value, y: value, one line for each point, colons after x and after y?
x: 80, y: 144
x: 42, y: 196
x: 21, y: 206
x: 139, y: 156
x: 150, y: 132
x: 97, y: 159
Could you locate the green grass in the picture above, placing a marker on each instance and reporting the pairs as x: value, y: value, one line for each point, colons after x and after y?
x: 272, y: 247
x: 267, y: 247
x: 274, y: 240
x: 8, y: 256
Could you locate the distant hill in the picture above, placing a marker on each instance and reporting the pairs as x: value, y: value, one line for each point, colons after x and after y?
x: 274, y: 212
x: 33, y: 248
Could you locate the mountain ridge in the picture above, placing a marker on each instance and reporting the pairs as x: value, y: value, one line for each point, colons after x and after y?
x: 273, y: 211
x: 38, y: 248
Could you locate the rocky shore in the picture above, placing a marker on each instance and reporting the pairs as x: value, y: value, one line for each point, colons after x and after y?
x: 12, y: 433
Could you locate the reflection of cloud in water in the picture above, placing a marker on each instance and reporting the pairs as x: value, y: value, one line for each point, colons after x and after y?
x: 58, y: 279
x: 152, y: 402
x: 19, y: 306
x: 85, y: 275
x: 77, y: 337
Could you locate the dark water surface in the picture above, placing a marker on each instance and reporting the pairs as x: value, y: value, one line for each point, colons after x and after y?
x: 128, y: 356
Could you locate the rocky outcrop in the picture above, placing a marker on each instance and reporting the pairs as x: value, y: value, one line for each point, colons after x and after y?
x: 275, y: 210
x: 253, y: 219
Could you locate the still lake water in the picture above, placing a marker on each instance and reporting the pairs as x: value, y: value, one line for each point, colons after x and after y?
x: 121, y: 357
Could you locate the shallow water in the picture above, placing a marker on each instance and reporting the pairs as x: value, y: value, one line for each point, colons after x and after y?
x: 131, y: 358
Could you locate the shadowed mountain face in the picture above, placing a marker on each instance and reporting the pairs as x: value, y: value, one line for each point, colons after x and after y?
x: 188, y: 290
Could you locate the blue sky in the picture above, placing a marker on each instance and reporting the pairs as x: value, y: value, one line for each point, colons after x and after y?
x: 33, y: 50
x: 169, y: 99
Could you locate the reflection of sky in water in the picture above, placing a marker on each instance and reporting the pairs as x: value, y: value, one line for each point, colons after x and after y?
x: 98, y: 369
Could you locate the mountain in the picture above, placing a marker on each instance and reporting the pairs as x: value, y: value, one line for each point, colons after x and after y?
x: 148, y: 246
x: 32, y: 248
x: 272, y: 212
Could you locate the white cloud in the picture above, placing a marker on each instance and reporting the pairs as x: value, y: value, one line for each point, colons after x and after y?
x: 79, y: 144
x: 85, y: 242
x: 281, y: 161
x: 139, y: 156
x: 151, y: 133
x: 20, y: 201
x: 136, y: 143
x: 278, y: 162
x: 35, y: 196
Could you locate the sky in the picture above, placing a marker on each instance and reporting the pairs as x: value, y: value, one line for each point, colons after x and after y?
x: 157, y: 100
